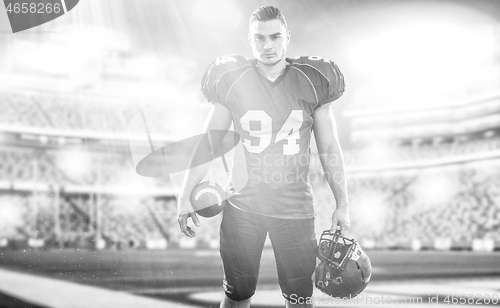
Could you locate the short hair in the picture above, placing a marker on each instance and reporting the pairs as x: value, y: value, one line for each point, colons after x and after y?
x: 266, y: 13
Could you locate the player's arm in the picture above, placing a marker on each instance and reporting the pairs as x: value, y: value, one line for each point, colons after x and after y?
x: 219, y: 118
x: 330, y: 154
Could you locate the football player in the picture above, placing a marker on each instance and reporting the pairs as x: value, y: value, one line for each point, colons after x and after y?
x: 274, y: 103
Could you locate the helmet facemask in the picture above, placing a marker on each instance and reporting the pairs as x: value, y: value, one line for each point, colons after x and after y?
x: 344, y: 269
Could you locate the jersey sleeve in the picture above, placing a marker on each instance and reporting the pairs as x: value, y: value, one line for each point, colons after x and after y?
x: 217, y: 76
x: 336, y: 85
x: 209, y: 80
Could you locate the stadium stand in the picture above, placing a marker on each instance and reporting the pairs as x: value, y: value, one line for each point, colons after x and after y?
x: 426, y: 175
x: 65, y: 112
x: 67, y: 179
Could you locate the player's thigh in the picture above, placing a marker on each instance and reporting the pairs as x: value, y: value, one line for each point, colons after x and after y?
x: 294, y: 244
x: 242, y: 237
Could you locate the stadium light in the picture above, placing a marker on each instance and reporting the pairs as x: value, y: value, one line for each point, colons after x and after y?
x: 370, y: 210
x: 69, y: 48
x: 75, y: 163
x: 434, y: 188
x: 11, y: 214
x: 46, y: 57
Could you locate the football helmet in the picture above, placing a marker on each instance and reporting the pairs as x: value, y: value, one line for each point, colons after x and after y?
x: 344, y: 269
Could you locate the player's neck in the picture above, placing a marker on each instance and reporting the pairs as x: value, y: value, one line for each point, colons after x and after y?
x: 272, y: 72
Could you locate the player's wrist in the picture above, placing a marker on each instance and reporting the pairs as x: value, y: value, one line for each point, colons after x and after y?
x: 184, y: 206
x: 343, y: 205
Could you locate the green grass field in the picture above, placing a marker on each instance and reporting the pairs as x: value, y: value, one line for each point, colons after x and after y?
x: 174, y: 274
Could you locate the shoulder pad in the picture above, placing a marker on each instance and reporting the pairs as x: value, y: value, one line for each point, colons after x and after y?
x: 321, y: 64
x: 217, y: 69
x: 313, y: 65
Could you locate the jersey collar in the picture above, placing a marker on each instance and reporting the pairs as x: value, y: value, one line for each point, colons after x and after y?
x: 277, y: 80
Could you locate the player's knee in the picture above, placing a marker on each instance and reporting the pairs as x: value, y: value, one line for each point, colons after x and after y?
x: 242, y: 290
x: 240, y: 294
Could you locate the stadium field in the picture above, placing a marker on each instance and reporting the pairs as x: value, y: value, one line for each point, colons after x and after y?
x: 193, y: 277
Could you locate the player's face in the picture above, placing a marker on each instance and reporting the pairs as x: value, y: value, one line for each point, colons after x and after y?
x: 269, y: 40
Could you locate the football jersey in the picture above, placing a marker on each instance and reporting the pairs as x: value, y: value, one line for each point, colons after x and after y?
x: 274, y: 121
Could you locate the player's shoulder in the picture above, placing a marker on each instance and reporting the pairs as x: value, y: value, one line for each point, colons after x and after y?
x: 226, y: 68
x: 224, y: 64
x: 311, y: 64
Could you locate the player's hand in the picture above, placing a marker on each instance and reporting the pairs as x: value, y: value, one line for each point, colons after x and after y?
x: 340, y: 219
x: 182, y: 218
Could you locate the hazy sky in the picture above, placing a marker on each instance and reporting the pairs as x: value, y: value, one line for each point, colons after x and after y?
x: 192, y: 32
